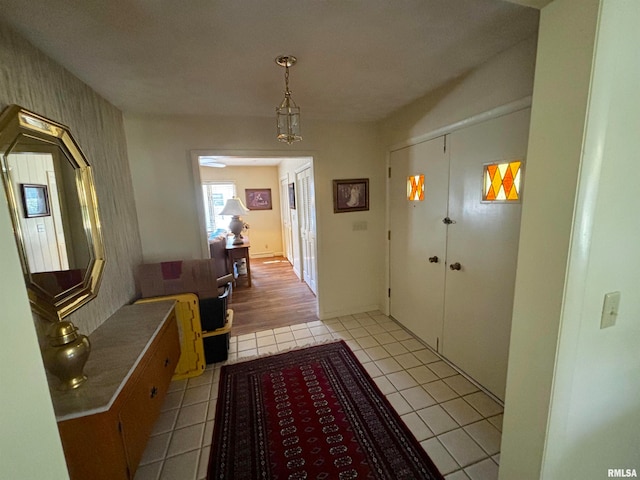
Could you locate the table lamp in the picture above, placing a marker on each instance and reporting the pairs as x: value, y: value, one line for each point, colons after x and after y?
x: 235, y: 207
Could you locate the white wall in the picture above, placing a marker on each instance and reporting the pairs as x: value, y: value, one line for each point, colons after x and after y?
x: 565, y: 52
x: 572, y: 395
x: 505, y: 78
x: 29, y: 441
x: 265, y: 232
x: 351, y: 270
x: 595, y: 403
x: 30, y: 445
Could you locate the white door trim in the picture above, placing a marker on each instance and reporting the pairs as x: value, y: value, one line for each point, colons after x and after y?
x: 197, y: 179
x: 499, y: 111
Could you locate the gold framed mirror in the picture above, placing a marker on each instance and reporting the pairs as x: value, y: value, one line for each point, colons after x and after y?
x: 54, y: 211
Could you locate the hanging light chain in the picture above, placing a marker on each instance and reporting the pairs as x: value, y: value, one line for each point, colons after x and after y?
x: 286, y: 80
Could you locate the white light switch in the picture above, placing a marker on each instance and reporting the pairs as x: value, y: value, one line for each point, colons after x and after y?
x: 610, y: 309
x: 360, y: 225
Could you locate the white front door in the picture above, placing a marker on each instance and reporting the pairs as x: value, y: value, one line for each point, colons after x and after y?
x: 418, y: 239
x: 484, y: 240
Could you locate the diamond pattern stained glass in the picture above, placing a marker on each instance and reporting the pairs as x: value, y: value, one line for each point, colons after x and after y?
x: 415, y: 187
x: 502, y: 182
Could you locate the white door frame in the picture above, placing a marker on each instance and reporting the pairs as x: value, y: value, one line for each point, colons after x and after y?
x: 300, y: 205
x: 285, y: 214
x: 194, y: 156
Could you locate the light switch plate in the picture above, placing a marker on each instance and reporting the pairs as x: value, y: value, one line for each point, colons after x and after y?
x: 362, y: 225
x: 610, y: 308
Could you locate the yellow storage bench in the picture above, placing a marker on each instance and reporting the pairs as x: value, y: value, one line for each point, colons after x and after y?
x: 192, y: 359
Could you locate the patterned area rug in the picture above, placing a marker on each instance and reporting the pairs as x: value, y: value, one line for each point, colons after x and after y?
x: 310, y: 414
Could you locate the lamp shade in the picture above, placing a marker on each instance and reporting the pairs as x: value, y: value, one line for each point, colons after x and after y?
x: 234, y: 206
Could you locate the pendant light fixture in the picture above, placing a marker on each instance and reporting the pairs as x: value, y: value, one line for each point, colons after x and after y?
x: 288, y: 112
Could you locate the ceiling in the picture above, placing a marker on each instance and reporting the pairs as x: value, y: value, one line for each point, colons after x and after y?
x: 358, y: 60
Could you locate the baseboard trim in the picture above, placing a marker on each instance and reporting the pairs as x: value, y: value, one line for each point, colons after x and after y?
x: 349, y: 311
x: 265, y: 254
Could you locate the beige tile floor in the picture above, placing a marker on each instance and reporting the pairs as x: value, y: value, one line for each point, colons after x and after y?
x: 456, y: 422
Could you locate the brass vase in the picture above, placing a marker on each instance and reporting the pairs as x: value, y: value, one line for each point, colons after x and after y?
x: 67, y: 354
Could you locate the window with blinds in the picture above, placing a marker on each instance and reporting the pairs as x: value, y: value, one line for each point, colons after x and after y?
x: 215, y: 196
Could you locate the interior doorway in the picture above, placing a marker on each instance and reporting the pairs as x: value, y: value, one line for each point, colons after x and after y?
x: 286, y: 226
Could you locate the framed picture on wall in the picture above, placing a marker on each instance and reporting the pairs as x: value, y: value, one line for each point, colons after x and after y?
x: 292, y: 196
x: 350, y: 195
x: 35, y: 200
x: 258, y: 198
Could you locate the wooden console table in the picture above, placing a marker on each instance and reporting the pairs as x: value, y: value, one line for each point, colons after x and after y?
x: 235, y: 252
x: 105, y: 423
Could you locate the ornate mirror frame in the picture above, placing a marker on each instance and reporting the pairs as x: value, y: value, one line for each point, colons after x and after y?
x: 53, y: 294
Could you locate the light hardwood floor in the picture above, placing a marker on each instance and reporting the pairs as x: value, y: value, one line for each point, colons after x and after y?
x: 277, y: 298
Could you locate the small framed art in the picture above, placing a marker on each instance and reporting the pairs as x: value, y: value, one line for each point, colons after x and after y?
x: 292, y: 196
x: 35, y: 200
x: 350, y: 195
x: 258, y: 198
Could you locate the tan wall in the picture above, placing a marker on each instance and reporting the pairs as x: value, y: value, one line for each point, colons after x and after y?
x: 265, y: 232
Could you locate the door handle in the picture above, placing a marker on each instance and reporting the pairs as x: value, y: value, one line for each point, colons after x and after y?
x: 433, y: 259
x: 455, y: 266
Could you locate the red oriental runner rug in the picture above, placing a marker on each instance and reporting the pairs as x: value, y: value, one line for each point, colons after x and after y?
x: 310, y: 414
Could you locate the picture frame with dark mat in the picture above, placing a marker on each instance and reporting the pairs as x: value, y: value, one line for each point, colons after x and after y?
x: 350, y: 195
x: 35, y: 200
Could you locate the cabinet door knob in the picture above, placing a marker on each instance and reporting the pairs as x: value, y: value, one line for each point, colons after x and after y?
x: 447, y: 221
x: 166, y: 362
x: 455, y: 266
x: 154, y: 392
x: 433, y: 259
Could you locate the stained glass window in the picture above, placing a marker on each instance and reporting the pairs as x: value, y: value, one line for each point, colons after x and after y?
x: 415, y: 188
x: 502, y: 181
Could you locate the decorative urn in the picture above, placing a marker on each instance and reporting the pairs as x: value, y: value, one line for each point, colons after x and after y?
x: 67, y: 354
